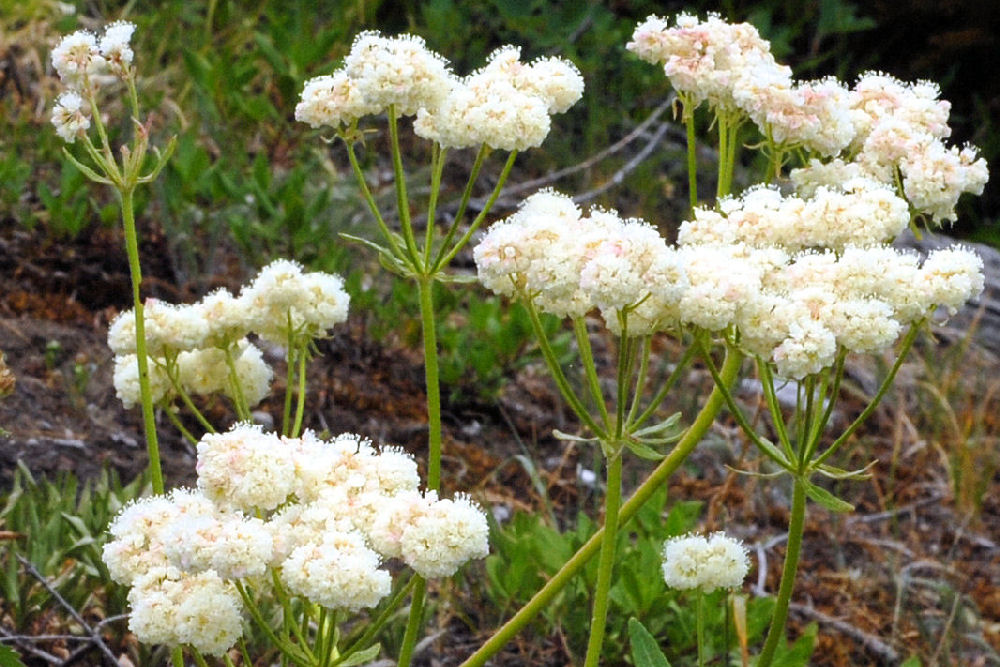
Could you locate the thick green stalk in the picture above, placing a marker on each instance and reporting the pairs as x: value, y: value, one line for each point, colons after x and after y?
x: 612, y: 506
x: 177, y: 656
x: 300, y: 405
x: 700, y: 628
x: 431, y: 381
x: 414, y: 623
x: 541, y: 599
x: 148, y: 418
x: 796, y: 526
x: 692, y: 153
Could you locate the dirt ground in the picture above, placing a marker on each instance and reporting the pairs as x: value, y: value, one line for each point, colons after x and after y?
x: 913, y: 564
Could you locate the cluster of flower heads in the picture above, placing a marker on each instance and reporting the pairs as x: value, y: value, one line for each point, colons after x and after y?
x: 801, y: 279
x: 193, y: 344
x: 879, y: 128
x: 320, y: 515
x: 706, y: 563
x: 506, y: 104
x: 84, y: 62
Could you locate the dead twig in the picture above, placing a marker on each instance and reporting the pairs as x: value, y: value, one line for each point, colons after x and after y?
x: 869, y: 641
x: 95, y: 638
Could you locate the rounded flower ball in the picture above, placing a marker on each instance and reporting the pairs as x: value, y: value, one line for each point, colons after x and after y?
x: 706, y: 563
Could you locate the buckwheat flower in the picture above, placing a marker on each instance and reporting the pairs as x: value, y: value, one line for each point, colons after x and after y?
x: 707, y: 60
x: 878, y: 97
x: 253, y: 374
x: 225, y: 316
x: 135, y: 547
x: 935, y: 178
x: 197, y: 609
x: 558, y: 82
x: 340, y: 573
x: 232, y: 545
x: 70, y: 116
x: 126, y: 380
x: 332, y: 100
x: 832, y: 174
x: 396, y: 471
x: 694, y: 561
x: 114, y: 47
x: 397, y: 513
x: 76, y: 58
x: 245, y: 468
x: 486, y: 109
x: 284, y: 301
x: 721, y: 279
x: 207, y: 372
x: 540, y: 252
x: 809, y: 348
x: 887, y: 274
x: 633, y: 270
x: 952, y: 276
x: 448, y: 534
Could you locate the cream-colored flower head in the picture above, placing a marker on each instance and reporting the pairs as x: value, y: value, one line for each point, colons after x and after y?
x: 245, y: 468
x: 284, y: 301
x: 230, y: 544
x: 506, y: 104
x: 126, y: 380
x: 708, y: 60
x: 200, y: 609
x: 445, y: 535
x: 115, y: 49
x: 332, y: 100
x: 339, y: 573
x: 707, y: 563
x: 71, y: 116
x: 77, y: 58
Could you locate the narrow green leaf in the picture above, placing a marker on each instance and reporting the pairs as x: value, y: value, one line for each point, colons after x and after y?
x: 567, y: 436
x: 827, y: 499
x: 645, y: 651
x: 838, y: 473
x: 670, y: 422
x: 773, y: 453
x: 361, y: 657
x: 643, y: 451
x: 8, y: 658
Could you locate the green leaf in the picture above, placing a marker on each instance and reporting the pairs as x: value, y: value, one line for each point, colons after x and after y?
x: 361, y: 657
x: 8, y: 658
x: 773, y: 453
x: 643, y: 451
x: 457, y: 278
x: 912, y: 661
x: 656, y: 429
x: 827, y: 499
x: 799, y: 653
x: 838, y: 473
x: 645, y: 651
x: 574, y: 438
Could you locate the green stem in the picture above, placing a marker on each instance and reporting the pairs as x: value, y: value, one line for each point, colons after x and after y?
x: 431, y: 381
x: 482, y: 214
x: 612, y: 506
x: 290, y: 350
x: 376, y: 626
x: 796, y: 526
x: 402, y: 199
x: 413, y: 623
x: 668, y: 384
x: 700, y: 628
x: 175, y: 420
x: 298, y: 654
x: 463, y: 204
x: 903, y: 350
x: 300, y: 406
x: 199, y: 659
x: 148, y: 418
x: 590, y: 369
x: 177, y: 656
x: 692, y: 152
x: 659, y: 476
x: 640, y: 379
x: 437, y: 166
x: 555, y: 370
x: 373, y: 207
x: 773, y: 406
x: 239, y: 399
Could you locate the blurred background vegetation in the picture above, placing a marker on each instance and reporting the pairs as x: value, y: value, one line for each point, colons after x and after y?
x: 225, y: 77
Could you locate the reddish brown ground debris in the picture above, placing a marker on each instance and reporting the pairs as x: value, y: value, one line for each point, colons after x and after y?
x: 882, y: 579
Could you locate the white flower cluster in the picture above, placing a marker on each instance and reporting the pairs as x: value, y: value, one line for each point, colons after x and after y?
x: 505, y: 105
x: 801, y: 279
x: 82, y: 63
x: 189, y: 343
x: 321, y: 514
x: 707, y: 563
x: 879, y: 128
x: 568, y: 264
